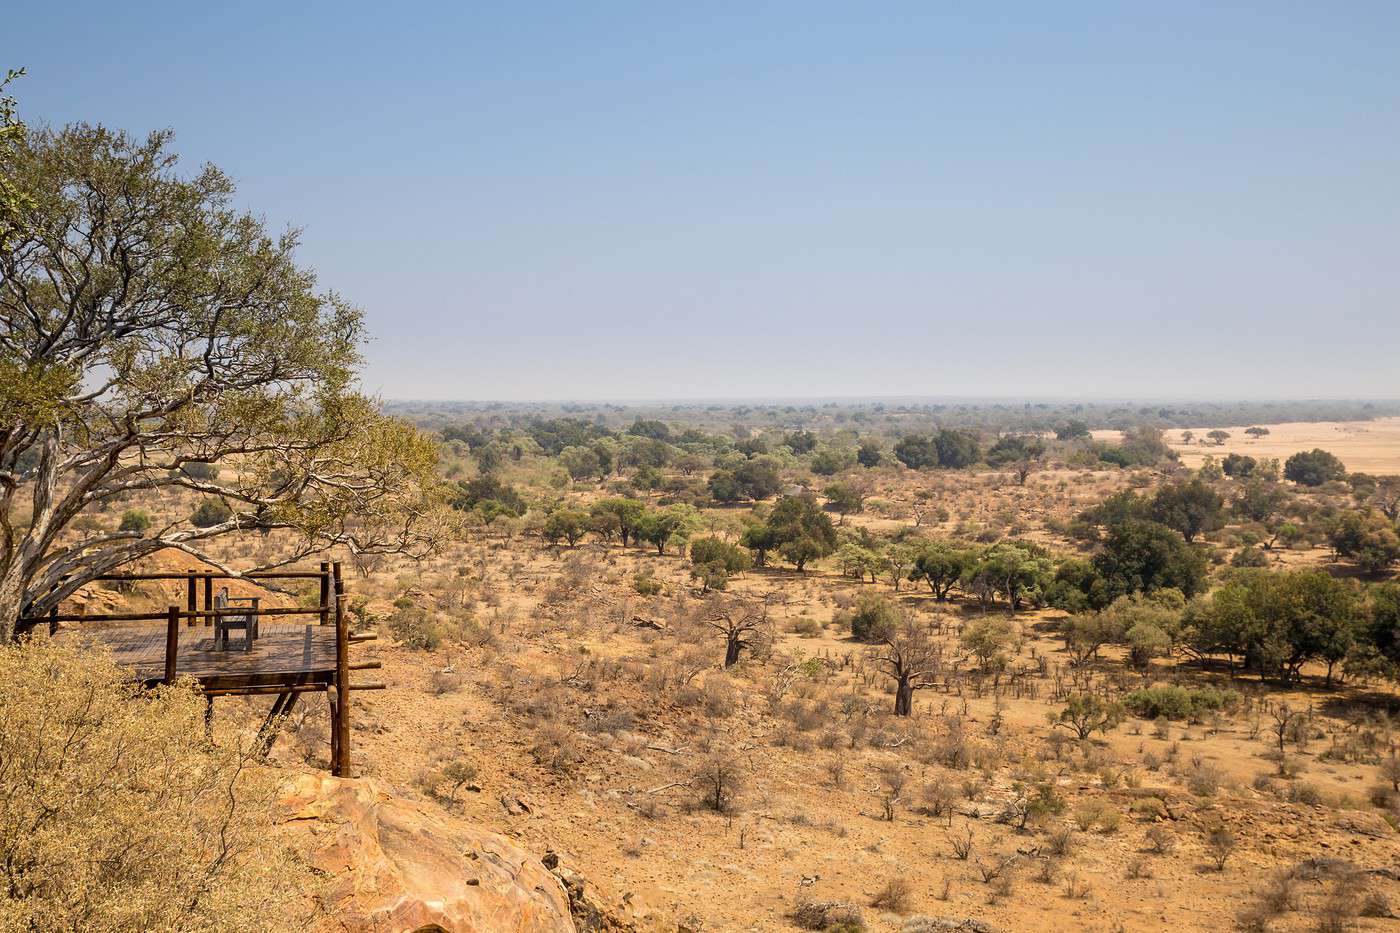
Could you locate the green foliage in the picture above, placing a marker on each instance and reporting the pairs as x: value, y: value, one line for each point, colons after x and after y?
x: 1141, y: 557
x: 14, y: 200
x: 417, y: 629
x: 1191, y: 508
x: 1276, y: 622
x: 869, y: 454
x: 873, y: 618
x: 1249, y: 556
x: 619, y: 516
x: 1367, y: 538
x: 752, y: 479
x: 1380, y: 631
x: 473, y: 493
x: 1238, y: 465
x: 1017, y: 571
x: 831, y: 460
x: 956, y: 449
x: 1087, y: 713
x: 916, y: 452
x: 844, y: 498
x: 582, y: 463
x: 1313, y: 467
x: 565, y: 524
x: 801, y: 442
x: 711, y: 550
x: 555, y: 434
x: 987, y: 639
x: 138, y: 520
x: 760, y: 537
x: 645, y: 583
x: 942, y: 566
x: 209, y: 343
x: 660, y: 527
x: 799, y: 529
x: 1121, y: 507
x: 1173, y: 702
x: 1142, y: 446
x: 1015, y: 447
x: 1258, y: 500
x: 655, y: 430
x: 1072, y: 430
x: 211, y: 512
x: 1076, y: 586
x: 857, y: 561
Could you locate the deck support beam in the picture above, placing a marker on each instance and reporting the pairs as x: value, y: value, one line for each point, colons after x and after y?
x: 341, y: 722
x: 172, y: 642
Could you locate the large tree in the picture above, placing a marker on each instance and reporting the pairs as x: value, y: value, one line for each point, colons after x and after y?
x: 1191, y: 507
x: 146, y: 326
x: 909, y: 656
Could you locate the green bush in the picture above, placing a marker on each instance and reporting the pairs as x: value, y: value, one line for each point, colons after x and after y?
x: 211, y: 512
x: 874, y: 617
x: 137, y: 520
x: 1179, y: 702
x: 645, y: 583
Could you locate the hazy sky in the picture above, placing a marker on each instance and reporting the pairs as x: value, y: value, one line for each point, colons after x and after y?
x: 588, y: 200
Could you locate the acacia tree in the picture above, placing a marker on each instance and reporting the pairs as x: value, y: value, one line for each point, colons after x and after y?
x: 12, y: 197
x: 741, y: 622
x: 145, y: 325
x: 910, y: 657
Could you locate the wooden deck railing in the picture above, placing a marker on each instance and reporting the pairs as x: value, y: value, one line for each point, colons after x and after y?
x: 330, y: 609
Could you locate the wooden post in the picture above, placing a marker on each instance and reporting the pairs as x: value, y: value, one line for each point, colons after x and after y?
x: 342, y: 679
x: 192, y: 596
x: 208, y: 597
x: 53, y: 621
x: 335, y: 732
x: 172, y: 642
x: 325, y: 592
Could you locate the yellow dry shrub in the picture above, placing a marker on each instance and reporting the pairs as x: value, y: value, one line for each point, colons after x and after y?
x: 117, y: 814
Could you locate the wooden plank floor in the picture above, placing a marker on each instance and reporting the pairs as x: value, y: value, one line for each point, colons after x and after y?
x: 283, y: 653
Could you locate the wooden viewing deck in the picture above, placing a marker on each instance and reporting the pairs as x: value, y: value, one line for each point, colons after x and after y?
x: 288, y: 658
x: 285, y: 653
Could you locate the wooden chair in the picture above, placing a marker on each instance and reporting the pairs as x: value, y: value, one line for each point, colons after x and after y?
x: 247, y: 621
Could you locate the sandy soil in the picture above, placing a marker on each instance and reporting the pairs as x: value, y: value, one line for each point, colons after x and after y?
x: 1364, y: 446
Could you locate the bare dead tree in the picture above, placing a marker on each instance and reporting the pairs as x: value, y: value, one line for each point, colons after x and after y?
x: 741, y: 621
x: 908, y: 655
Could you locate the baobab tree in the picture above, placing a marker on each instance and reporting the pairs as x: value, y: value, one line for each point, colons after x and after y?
x: 908, y: 654
x: 741, y: 621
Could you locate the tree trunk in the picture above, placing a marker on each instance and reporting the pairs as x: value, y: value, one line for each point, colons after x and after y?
x: 903, y: 698
x: 732, y: 648
x: 11, y: 595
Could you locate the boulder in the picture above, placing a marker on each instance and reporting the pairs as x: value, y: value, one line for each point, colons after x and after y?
x: 395, y: 864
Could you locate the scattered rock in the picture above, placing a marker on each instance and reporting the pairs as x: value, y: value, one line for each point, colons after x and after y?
x: 818, y: 915
x: 516, y: 806
x: 591, y: 911
x: 936, y: 924
x: 1361, y: 823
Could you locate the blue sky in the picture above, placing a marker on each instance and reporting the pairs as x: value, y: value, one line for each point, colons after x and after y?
x: 618, y: 200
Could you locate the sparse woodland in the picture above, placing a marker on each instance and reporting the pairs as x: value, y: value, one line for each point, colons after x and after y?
x: 833, y: 667
x: 1131, y: 694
